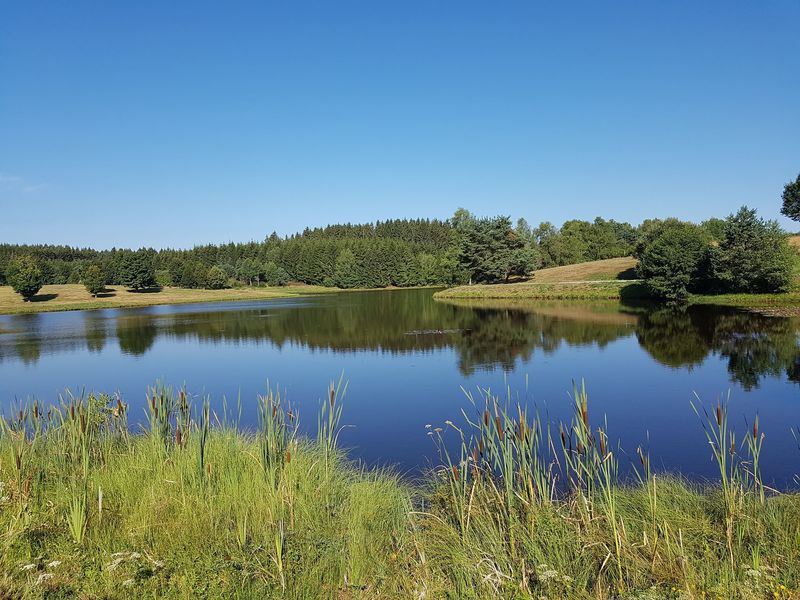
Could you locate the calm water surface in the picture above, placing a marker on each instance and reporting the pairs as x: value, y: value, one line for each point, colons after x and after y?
x: 407, y: 357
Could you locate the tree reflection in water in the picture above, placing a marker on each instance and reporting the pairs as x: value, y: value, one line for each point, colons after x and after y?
x: 485, y: 335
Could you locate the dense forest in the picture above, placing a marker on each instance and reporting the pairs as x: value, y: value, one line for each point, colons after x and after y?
x: 463, y: 249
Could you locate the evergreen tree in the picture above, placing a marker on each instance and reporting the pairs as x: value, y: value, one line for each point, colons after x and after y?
x: 344, y: 274
x: 94, y: 280
x: 753, y: 255
x: 25, y: 277
x: 137, y: 270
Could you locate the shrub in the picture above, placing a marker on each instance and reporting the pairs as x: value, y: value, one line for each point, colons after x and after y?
x: 216, y: 279
x: 94, y: 280
x: 25, y: 277
x: 673, y: 258
x: 163, y: 278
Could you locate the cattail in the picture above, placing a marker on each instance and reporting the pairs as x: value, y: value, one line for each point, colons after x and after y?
x: 733, y: 448
x: 755, y: 428
x: 288, y: 456
x: 719, y: 414
x: 178, y: 437
x: 83, y: 422
x: 35, y: 410
x: 274, y: 409
x: 72, y: 411
x: 486, y: 417
x: 332, y: 396
x: 602, y: 443
x: 475, y: 455
x: 455, y: 472
x: 480, y: 446
x: 563, y: 436
x: 580, y: 447
x: 18, y: 460
x: 290, y: 414
x: 499, y: 427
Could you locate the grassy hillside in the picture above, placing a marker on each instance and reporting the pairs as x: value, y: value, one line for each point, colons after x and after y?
x: 598, y: 279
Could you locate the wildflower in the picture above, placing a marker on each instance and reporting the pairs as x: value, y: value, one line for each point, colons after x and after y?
x: 566, y: 579
x: 28, y: 567
x: 753, y: 573
x: 53, y: 564
x: 44, y: 577
x: 135, y: 556
x: 547, y: 575
x: 114, y: 564
x: 128, y: 583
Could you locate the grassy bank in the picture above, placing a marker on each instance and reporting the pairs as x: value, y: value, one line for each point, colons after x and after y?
x: 75, y: 297
x: 610, y: 280
x: 193, y: 507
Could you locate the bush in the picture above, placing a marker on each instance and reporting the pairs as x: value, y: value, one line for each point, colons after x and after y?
x: 216, y: 279
x: 753, y: 256
x: 275, y: 275
x: 673, y: 259
x: 163, y: 278
x: 25, y: 277
x: 94, y: 280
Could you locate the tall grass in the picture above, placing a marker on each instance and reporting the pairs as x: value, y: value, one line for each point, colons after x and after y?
x: 195, y: 507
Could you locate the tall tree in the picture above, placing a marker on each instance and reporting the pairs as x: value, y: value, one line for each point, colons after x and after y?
x: 94, y: 279
x: 25, y: 276
x: 791, y: 199
x: 753, y: 255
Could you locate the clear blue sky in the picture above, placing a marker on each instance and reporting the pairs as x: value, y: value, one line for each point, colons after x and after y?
x: 175, y: 123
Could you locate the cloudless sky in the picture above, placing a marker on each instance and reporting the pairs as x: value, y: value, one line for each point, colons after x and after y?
x: 176, y: 123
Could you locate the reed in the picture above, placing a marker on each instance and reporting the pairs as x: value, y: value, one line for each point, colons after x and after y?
x: 194, y: 506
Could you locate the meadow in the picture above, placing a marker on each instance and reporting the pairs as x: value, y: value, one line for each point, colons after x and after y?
x: 194, y: 506
x: 75, y: 297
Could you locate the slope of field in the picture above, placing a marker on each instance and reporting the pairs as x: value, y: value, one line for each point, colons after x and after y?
x: 596, y: 270
x: 598, y: 279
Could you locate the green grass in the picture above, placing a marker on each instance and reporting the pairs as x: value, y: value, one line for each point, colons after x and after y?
x: 193, y: 507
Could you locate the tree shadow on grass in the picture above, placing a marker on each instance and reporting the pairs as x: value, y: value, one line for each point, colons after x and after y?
x: 43, y: 297
x: 106, y: 293
x: 150, y: 290
x: 627, y: 274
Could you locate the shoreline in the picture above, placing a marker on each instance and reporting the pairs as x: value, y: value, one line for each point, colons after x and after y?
x: 72, y: 297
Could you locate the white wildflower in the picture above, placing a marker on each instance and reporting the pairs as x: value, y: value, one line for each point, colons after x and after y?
x: 44, y: 577
x: 547, y: 575
x: 135, y: 556
x: 753, y: 573
x: 118, y: 554
x: 27, y: 567
x: 128, y: 583
x: 566, y: 579
x: 158, y: 564
x: 53, y: 564
x: 114, y: 564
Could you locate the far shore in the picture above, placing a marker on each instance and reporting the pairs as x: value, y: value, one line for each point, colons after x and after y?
x: 53, y: 298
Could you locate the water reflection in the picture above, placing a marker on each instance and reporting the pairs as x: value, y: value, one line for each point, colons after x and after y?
x: 485, y: 336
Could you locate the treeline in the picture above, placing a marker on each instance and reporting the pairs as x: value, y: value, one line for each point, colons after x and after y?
x: 676, y: 258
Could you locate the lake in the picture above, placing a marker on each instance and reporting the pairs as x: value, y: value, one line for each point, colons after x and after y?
x: 407, y: 356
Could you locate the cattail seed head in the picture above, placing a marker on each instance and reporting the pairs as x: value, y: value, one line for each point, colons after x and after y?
x: 499, y: 427
x: 719, y: 414
x: 455, y: 472
x: 486, y: 417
